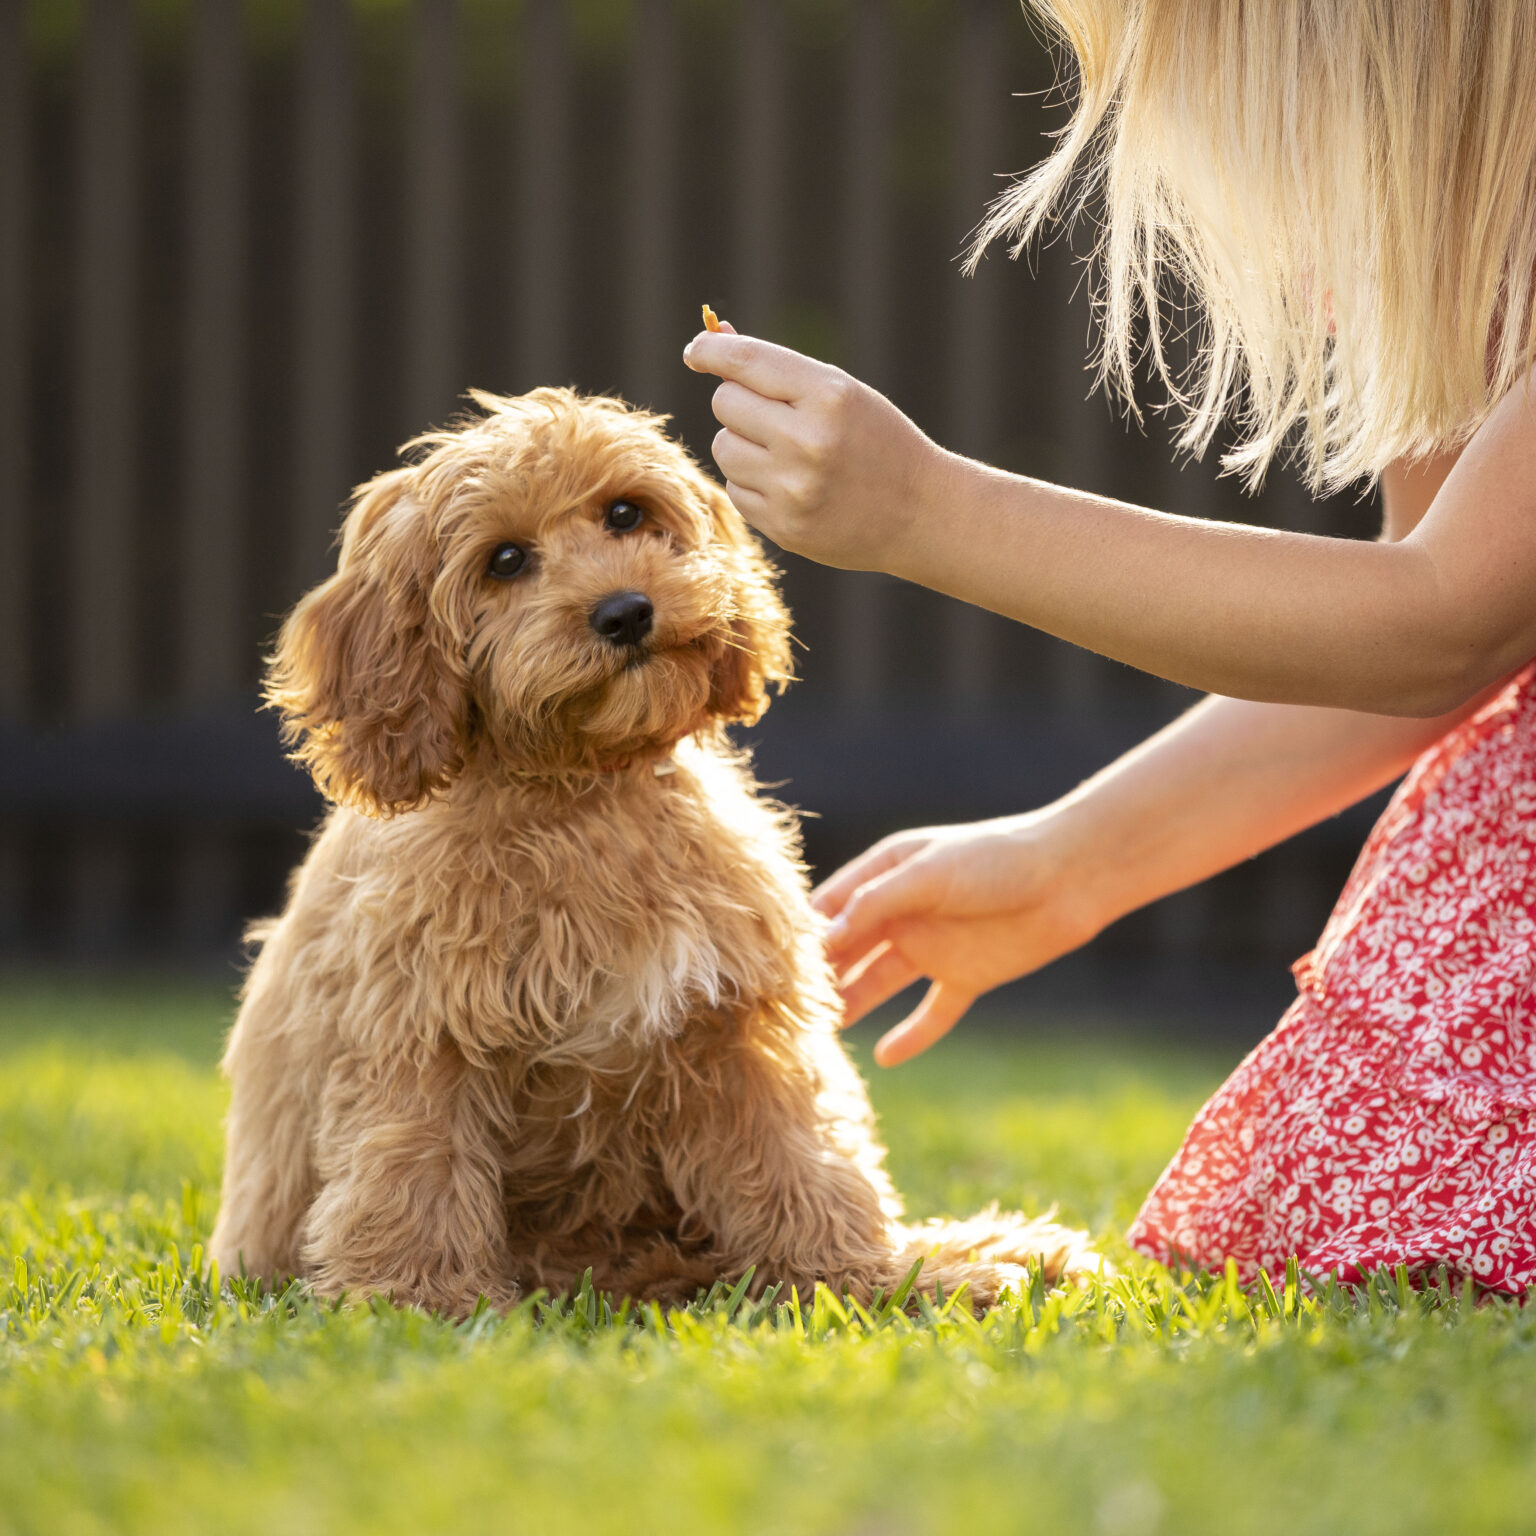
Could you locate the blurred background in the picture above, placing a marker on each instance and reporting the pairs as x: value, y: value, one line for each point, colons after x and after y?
x: 249, y: 246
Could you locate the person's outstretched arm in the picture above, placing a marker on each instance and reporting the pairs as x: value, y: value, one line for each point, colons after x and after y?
x: 973, y: 906
x: 830, y: 469
x: 970, y: 907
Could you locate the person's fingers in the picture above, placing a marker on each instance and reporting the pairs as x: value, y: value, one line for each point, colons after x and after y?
x: 832, y: 894
x: 874, y: 904
x: 728, y: 329
x: 742, y: 461
x: 941, y: 1009
x: 763, y: 366
x: 876, y: 980
x: 752, y: 415
x: 751, y: 504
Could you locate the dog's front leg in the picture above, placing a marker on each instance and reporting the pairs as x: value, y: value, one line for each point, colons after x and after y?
x: 410, y: 1204
x: 767, y: 1176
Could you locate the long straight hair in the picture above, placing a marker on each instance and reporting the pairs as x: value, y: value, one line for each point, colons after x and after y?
x: 1344, y: 190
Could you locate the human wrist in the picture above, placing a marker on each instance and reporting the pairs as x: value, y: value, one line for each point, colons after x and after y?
x: 933, y: 489
x: 1087, y: 858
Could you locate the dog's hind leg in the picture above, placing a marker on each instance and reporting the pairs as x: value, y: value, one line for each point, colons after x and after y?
x: 268, y: 1184
x: 269, y: 1177
x: 410, y: 1204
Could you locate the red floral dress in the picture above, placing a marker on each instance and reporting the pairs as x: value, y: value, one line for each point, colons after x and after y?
x: 1391, y: 1117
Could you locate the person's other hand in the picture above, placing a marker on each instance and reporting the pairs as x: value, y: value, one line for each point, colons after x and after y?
x: 969, y: 907
x: 822, y: 464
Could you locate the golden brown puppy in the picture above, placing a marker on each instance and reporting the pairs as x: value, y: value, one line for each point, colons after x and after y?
x: 548, y: 993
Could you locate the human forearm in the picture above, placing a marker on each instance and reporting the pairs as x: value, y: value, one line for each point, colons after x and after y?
x: 1222, y: 783
x: 832, y: 470
x: 977, y: 904
x: 1235, y: 610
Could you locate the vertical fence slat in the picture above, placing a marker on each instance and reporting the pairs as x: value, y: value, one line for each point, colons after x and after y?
x: 213, y: 665
x: 13, y: 890
x: 1181, y: 924
x: 761, y: 214
x: 864, y: 295
x: 542, y: 162
x: 1290, y: 906
x: 102, y: 651
x: 211, y: 631
x: 433, y: 354
x: 653, y: 318
x: 977, y: 97
x: 15, y: 417
x: 15, y: 422
x: 101, y: 547
x: 324, y: 251
x: 865, y: 288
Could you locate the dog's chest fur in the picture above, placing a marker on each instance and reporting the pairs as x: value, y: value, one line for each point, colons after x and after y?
x: 580, y: 926
x: 593, y: 959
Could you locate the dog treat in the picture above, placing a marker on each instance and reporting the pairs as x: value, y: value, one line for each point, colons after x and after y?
x: 711, y: 319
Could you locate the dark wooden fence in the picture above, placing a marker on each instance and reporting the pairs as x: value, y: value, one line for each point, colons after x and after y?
x: 247, y: 248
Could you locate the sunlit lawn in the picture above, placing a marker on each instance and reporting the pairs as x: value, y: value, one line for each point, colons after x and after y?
x: 135, y: 1398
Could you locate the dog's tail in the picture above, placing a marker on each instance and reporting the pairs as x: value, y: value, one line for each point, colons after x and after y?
x: 1007, y: 1237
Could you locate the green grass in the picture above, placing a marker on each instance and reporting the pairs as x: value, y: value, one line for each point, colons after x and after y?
x: 134, y: 1397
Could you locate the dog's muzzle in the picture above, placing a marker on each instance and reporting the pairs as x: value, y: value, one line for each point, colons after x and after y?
x: 622, y: 618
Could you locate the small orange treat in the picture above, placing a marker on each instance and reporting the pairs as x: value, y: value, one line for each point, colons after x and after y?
x: 711, y: 319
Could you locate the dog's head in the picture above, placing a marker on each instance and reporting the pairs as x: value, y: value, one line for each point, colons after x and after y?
x: 554, y: 583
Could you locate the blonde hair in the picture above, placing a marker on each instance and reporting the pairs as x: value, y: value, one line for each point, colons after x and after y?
x: 1344, y: 190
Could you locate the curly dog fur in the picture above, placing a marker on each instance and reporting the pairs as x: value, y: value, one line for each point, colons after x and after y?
x: 548, y: 993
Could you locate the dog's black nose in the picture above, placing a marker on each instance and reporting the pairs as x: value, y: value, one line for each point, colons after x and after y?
x: 623, y: 618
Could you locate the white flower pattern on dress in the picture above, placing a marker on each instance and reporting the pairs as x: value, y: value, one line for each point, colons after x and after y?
x: 1391, y: 1116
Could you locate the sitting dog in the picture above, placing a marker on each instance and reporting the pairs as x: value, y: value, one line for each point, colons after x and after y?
x: 548, y: 993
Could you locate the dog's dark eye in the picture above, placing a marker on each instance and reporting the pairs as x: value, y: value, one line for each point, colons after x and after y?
x: 622, y: 517
x: 506, y: 561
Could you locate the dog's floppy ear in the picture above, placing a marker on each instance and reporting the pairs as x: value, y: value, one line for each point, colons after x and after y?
x: 758, y: 654
x: 373, y: 701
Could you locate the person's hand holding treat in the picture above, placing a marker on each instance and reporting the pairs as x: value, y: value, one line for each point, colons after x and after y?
x: 822, y: 464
